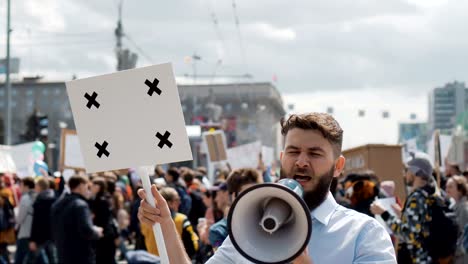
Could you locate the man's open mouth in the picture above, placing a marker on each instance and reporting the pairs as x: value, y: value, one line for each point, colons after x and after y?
x: 301, y: 178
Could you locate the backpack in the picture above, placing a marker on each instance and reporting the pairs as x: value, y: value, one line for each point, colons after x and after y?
x: 7, y: 215
x: 443, y: 229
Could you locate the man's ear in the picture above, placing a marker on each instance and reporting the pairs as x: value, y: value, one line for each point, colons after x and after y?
x: 281, y: 156
x: 339, y: 166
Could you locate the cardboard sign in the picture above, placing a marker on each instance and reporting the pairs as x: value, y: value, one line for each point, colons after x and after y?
x: 70, y: 150
x: 130, y: 118
x: 215, y: 143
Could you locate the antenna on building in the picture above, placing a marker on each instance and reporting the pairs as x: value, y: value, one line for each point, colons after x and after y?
x: 125, y: 58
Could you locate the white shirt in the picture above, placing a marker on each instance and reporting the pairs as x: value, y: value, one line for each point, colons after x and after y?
x: 339, y: 235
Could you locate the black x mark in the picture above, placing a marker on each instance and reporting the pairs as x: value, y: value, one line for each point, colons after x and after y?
x: 164, y: 140
x: 92, y: 100
x: 153, y: 87
x: 102, y: 149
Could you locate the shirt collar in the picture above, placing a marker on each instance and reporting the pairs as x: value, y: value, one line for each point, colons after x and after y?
x: 324, y: 211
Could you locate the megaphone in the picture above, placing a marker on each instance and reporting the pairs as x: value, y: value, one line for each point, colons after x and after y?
x: 270, y: 222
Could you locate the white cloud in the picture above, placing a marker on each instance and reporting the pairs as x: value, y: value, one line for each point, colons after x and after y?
x: 48, y: 14
x: 274, y: 33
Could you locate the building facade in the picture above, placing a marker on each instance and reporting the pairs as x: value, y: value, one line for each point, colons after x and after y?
x: 446, y: 105
x: 416, y: 131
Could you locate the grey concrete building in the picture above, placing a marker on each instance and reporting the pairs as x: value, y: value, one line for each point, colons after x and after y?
x: 446, y: 104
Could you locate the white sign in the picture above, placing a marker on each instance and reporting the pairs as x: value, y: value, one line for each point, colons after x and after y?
x: 73, y: 156
x: 445, y: 142
x: 387, y: 204
x: 244, y: 156
x: 268, y: 155
x: 6, y: 161
x: 130, y: 118
x: 24, y: 160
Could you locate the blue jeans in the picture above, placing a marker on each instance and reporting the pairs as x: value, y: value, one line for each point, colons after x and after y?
x: 22, y: 249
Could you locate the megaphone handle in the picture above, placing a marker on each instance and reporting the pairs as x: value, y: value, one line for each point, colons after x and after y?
x: 157, y: 231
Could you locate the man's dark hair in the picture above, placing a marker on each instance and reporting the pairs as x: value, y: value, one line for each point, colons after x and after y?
x: 28, y: 182
x: 325, y: 123
x: 188, y: 176
x: 174, y: 172
x: 101, y: 182
x: 75, y: 181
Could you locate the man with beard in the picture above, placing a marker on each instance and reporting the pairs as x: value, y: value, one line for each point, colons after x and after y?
x: 312, y: 156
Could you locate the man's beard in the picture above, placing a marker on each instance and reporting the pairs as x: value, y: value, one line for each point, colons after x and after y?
x: 316, y: 196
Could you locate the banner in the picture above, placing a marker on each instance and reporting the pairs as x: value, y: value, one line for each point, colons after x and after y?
x: 244, y: 156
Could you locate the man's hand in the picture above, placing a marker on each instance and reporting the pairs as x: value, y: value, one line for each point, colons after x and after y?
x: 397, y: 209
x: 304, y: 258
x: 377, y: 209
x: 99, y: 231
x: 32, y: 246
x: 151, y: 215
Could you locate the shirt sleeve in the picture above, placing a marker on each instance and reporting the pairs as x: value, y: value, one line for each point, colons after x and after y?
x: 224, y: 254
x: 374, y: 245
x: 85, y: 224
x: 24, y: 209
x: 216, y: 236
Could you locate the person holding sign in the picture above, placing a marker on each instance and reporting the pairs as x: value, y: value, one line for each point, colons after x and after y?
x: 312, y: 156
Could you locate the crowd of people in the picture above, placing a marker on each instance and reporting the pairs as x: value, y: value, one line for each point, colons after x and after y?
x: 95, y: 218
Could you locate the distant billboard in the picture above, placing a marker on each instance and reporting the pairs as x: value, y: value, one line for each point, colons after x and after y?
x: 14, y: 65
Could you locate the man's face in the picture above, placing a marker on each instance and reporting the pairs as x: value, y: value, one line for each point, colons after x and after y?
x: 309, y: 159
x: 84, y: 190
x: 222, y: 199
x: 174, y: 204
x: 409, y: 177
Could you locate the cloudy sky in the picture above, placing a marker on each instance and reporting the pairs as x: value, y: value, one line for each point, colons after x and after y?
x: 350, y: 55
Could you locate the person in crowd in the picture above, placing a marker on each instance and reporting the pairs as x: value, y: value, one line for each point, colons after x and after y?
x: 194, y: 190
x: 237, y: 181
x: 452, y: 169
x: 182, y: 224
x: 311, y: 156
x: 201, y: 174
x: 41, y: 238
x: 102, y: 217
x: 457, y: 189
x: 25, y: 218
x: 172, y: 179
x: 411, y: 225
x: 72, y: 228
x: 134, y: 227
x: 7, y: 220
x: 362, y: 190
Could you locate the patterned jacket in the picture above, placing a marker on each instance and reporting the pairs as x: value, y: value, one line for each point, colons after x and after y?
x: 413, y: 226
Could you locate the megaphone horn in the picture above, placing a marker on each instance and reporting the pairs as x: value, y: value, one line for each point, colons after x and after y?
x: 266, y: 217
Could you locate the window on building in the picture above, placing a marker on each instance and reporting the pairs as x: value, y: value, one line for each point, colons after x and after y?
x: 29, y: 92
